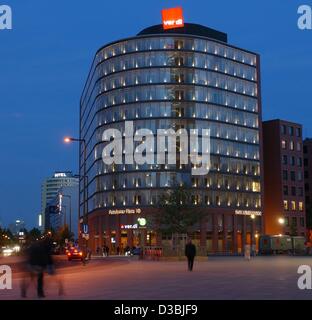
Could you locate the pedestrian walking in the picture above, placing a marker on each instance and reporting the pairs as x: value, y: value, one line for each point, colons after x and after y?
x: 190, y: 253
x: 39, y: 258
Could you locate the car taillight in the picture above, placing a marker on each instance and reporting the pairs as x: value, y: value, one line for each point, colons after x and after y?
x: 68, y: 253
x: 80, y: 253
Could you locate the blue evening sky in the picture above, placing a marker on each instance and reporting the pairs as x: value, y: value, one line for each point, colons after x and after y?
x: 45, y: 59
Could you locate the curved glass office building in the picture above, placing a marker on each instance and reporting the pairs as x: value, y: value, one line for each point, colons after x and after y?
x: 180, y: 78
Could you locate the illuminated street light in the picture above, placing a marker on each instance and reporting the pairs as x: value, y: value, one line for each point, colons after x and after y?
x: 281, y: 221
x: 253, y: 217
x: 85, y: 179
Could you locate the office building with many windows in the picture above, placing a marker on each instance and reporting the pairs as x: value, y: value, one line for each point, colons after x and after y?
x: 50, y: 189
x: 284, y: 195
x: 184, y: 78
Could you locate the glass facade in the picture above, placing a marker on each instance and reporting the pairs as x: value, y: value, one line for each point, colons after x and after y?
x: 174, y: 82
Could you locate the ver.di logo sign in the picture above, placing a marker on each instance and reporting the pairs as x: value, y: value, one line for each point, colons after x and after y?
x: 5, y: 17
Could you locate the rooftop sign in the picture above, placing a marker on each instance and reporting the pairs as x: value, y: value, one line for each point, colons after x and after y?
x: 172, y: 18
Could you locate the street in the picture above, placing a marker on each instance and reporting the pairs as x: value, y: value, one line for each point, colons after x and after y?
x: 229, y: 278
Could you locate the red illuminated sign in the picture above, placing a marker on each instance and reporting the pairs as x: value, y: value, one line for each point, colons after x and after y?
x: 172, y: 18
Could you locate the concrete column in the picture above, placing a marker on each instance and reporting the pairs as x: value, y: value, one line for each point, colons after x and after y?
x: 225, y: 233
x: 235, y: 249
x: 215, y: 233
x: 244, y: 232
x: 130, y: 232
x: 117, y: 231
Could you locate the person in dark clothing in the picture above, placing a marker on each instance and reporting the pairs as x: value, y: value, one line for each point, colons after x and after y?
x: 39, y: 257
x: 190, y: 253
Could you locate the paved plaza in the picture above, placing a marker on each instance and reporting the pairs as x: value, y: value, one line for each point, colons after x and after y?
x: 217, y: 278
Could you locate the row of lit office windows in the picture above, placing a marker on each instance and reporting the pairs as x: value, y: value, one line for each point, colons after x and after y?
x: 219, y: 165
x: 167, y: 93
x: 177, y: 43
x: 166, y: 180
x: 179, y: 112
x: 291, y: 145
x: 293, y: 205
x: 195, y: 77
x: 162, y: 60
x: 218, y: 200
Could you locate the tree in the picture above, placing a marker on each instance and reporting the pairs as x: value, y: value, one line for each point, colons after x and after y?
x: 178, y: 215
x: 33, y: 235
x: 62, y: 234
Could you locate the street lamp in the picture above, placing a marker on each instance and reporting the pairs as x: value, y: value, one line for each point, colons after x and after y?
x: 83, y: 142
x: 281, y: 221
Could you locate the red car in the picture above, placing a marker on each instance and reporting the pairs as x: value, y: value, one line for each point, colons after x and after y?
x: 74, y: 253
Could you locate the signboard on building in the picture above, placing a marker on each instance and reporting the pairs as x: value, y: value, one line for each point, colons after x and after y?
x: 129, y: 226
x: 248, y: 213
x: 172, y: 18
x: 124, y: 211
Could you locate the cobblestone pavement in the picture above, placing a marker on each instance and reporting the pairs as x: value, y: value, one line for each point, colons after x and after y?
x: 216, y: 278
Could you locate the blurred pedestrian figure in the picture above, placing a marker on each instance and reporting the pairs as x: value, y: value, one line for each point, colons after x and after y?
x: 107, y: 251
x: 118, y: 251
x: 104, y: 251
x: 190, y: 253
x: 98, y: 250
x: 38, y: 259
x: 89, y: 252
x: 247, y: 252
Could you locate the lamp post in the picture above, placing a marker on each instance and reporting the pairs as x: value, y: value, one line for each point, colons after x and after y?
x: 85, y: 217
x: 281, y: 221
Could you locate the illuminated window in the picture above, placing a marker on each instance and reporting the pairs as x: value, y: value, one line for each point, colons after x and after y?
x: 137, y: 199
x: 195, y: 199
x: 286, y: 205
x: 256, y: 187
x: 300, y: 206
x: 178, y: 44
x: 293, y: 205
x: 284, y: 144
x: 291, y: 145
